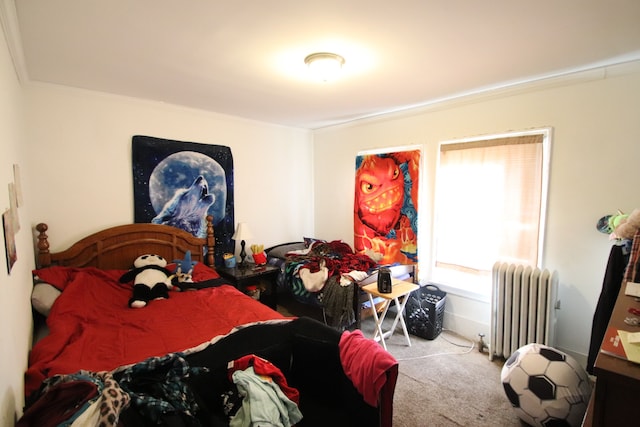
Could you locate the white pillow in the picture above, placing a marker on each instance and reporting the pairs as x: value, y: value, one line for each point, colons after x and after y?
x: 43, y: 296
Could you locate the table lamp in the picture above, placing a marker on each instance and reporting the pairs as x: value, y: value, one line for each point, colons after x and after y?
x: 242, y: 233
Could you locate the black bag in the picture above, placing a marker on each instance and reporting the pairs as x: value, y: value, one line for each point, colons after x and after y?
x: 424, y: 311
x: 384, y: 281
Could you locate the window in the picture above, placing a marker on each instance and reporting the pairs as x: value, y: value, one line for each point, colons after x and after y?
x: 490, y: 204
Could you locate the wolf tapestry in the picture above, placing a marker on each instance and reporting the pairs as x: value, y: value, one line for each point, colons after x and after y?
x: 386, y: 206
x: 179, y: 183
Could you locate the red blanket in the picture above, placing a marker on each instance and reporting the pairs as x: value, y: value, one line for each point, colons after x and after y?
x: 365, y: 363
x: 93, y: 328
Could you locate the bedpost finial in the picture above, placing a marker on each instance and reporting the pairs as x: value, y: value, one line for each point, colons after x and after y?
x: 210, y: 242
x: 43, y: 255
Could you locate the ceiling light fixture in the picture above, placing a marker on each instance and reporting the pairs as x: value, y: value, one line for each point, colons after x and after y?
x: 324, y: 65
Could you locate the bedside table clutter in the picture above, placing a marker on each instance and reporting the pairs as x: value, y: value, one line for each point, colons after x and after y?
x: 257, y: 281
x: 229, y: 260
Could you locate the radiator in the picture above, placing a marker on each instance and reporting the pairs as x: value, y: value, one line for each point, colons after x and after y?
x: 523, y: 304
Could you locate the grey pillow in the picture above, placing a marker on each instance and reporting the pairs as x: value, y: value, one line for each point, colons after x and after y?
x: 281, y: 251
x: 43, y: 296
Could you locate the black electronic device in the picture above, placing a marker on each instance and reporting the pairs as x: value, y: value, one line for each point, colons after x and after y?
x: 384, y: 281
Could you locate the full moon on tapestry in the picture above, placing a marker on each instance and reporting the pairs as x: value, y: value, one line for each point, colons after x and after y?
x: 385, y: 212
x: 179, y: 183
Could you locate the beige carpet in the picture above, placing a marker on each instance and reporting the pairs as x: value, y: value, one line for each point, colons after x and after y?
x: 446, y: 382
x: 441, y: 382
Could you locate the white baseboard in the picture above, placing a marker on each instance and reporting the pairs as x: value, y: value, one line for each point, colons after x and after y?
x: 580, y: 358
x: 470, y: 328
x: 465, y: 327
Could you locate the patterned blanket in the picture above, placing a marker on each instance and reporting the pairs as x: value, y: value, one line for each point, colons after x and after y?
x: 338, y: 261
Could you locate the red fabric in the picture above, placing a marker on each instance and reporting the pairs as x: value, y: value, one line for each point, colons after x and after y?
x: 58, y: 404
x: 365, y: 363
x: 56, y: 276
x: 266, y: 368
x: 59, y: 277
x: 337, y: 256
x: 260, y: 258
x: 93, y: 328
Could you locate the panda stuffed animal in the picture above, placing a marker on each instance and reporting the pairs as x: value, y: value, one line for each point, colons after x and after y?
x: 151, y: 280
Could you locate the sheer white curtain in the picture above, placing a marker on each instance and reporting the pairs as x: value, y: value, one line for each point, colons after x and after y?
x: 489, y: 198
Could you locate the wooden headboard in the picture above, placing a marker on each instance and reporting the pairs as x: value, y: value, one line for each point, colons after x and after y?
x: 117, y: 247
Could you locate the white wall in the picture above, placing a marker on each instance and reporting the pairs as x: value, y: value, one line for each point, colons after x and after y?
x: 76, y: 176
x: 15, y: 288
x: 594, y: 170
x: 81, y: 150
x: 74, y: 150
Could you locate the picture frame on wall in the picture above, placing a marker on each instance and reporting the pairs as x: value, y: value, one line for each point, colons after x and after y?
x: 9, y: 239
x: 13, y: 207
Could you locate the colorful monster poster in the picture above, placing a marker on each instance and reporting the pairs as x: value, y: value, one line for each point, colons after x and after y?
x: 179, y: 183
x: 386, y: 206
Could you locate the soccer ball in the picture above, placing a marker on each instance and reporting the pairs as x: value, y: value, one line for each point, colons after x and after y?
x: 546, y: 386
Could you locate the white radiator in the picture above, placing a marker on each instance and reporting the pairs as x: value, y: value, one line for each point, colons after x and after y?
x: 523, y: 304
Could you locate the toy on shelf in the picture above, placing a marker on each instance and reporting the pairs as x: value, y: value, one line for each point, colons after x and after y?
x: 229, y: 260
x: 259, y: 255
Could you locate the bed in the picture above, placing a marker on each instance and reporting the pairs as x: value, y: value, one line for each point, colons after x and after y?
x: 327, y: 276
x: 185, y: 343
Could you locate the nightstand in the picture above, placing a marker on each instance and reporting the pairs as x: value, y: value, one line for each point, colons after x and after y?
x: 263, y: 276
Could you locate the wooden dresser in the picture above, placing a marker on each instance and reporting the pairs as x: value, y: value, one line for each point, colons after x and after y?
x: 616, y: 398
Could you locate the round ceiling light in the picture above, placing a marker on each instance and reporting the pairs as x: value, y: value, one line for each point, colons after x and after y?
x: 325, y: 66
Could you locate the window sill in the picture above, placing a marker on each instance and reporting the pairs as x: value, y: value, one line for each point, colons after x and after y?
x: 470, y: 286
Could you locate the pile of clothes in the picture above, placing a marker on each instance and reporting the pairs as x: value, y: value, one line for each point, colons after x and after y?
x: 157, y: 392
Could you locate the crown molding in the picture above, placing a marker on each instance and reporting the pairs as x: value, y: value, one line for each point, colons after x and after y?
x: 9, y: 21
x: 628, y: 64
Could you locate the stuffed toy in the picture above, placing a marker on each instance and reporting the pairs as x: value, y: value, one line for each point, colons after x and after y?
x: 620, y: 225
x: 151, y: 280
x: 608, y: 223
x: 182, y: 277
x: 185, y: 266
x: 182, y: 281
x: 628, y: 225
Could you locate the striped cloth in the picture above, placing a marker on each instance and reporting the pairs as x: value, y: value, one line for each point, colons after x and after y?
x: 631, y: 272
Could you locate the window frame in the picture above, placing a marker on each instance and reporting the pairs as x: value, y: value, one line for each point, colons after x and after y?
x: 474, y: 286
